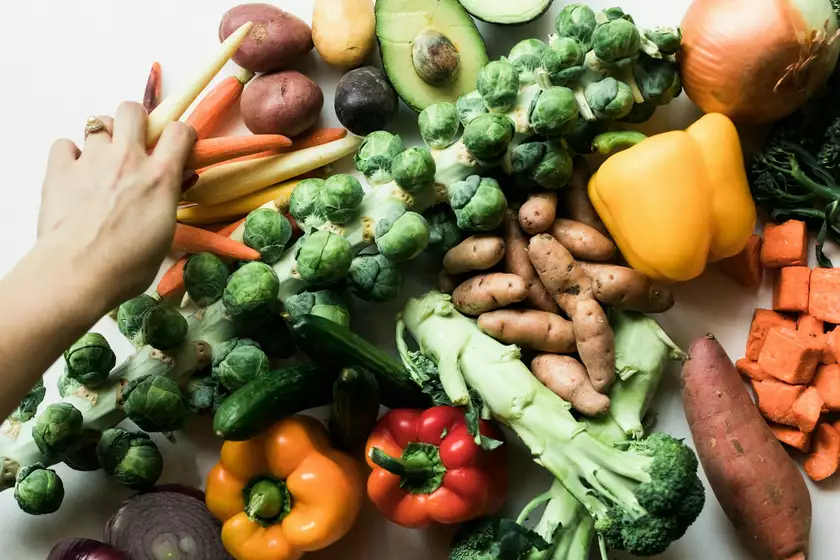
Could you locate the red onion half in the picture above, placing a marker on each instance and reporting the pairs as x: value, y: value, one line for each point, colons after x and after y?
x: 85, y: 549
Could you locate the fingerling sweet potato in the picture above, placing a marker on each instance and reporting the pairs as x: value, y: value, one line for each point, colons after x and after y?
x: 567, y: 378
x: 516, y: 261
x: 583, y: 241
x: 577, y: 203
x: 477, y: 252
x: 595, y: 342
x: 627, y: 289
x: 487, y: 292
x: 559, y: 272
x: 538, y: 212
x: 538, y: 330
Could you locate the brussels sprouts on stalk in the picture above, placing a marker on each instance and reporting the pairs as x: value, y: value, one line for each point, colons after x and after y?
x: 615, y: 40
x: 541, y: 165
x: 164, y: 328
x: 658, y: 79
x: 90, y: 360
x: 576, y: 21
x: 324, y: 258
x: 323, y: 303
x: 340, y: 198
x: 443, y: 230
x: 29, y: 404
x: 439, y: 125
x: 375, y: 278
x: 130, y: 457
x: 202, y: 394
x: 487, y: 137
x: 525, y: 57
x: 154, y: 403
x: 580, y: 136
x: 251, y: 292
x: 641, y: 112
x: 38, y: 490
x: 562, y: 62
x: 56, y: 428
x: 131, y: 314
x: 609, y: 99
x: 479, y: 203
x: 666, y: 40
x: 205, y: 276
x: 403, y: 237
x: 375, y: 155
x: 304, y: 203
x: 498, y: 84
x: 81, y: 455
x: 268, y: 232
x: 414, y: 169
x: 469, y: 107
x: 237, y: 362
x: 435, y: 58
x: 553, y: 112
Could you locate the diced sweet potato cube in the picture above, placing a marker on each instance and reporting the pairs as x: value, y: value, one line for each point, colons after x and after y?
x: 810, y: 326
x: 790, y: 292
x: 807, y: 410
x: 775, y: 400
x: 827, y: 383
x: 831, y: 342
x: 792, y: 437
x: 789, y: 357
x: 750, y: 369
x: 824, y: 458
x: 785, y: 245
x: 763, y: 320
x: 745, y: 267
x: 824, y: 300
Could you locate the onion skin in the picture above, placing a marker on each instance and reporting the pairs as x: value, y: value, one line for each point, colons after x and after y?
x: 85, y: 549
x: 737, y: 57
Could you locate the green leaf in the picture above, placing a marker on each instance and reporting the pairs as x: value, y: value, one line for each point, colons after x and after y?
x: 514, y: 541
x: 473, y: 416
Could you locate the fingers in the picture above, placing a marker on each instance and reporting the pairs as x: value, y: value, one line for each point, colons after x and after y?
x: 101, y: 138
x: 63, y: 153
x: 130, y: 125
x: 175, y: 144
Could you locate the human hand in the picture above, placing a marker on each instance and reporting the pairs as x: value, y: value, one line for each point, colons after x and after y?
x: 111, y: 208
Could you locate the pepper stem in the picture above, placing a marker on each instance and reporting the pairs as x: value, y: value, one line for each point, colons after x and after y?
x: 608, y: 142
x: 416, y: 467
x: 420, y: 468
x: 267, y: 500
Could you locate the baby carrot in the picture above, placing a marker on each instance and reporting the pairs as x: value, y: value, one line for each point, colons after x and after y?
x: 171, y: 286
x: 192, y: 240
x: 151, y: 99
x: 213, y: 109
x: 215, y: 150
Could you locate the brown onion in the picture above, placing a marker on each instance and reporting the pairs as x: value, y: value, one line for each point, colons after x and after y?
x: 757, y: 61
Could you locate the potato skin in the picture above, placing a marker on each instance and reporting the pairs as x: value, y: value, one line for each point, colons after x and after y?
x: 278, y: 40
x: 529, y: 328
x: 577, y: 203
x: 595, y: 342
x: 447, y: 283
x: 344, y: 31
x: 567, y: 378
x: 538, y: 212
x: 559, y: 272
x: 627, y: 289
x: 759, y: 487
x: 477, y: 252
x: 516, y: 261
x: 286, y: 103
x: 487, y: 292
x: 583, y: 241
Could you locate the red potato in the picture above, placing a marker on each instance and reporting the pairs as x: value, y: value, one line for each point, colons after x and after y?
x: 278, y: 39
x: 538, y: 212
x: 567, y: 378
x: 757, y: 484
x: 516, y: 261
x: 286, y: 103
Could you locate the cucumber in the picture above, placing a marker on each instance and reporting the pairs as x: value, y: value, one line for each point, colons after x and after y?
x: 355, y: 408
x: 271, y: 397
x: 337, y: 347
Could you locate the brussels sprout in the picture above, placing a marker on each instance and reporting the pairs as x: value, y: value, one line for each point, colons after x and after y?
x: 443, y: 230
x: 553, y: 112
x: 576, y: 21
x: 154, y: 403
x: 303, y: 204
x: 667, y: 40
x: 439, y: 125
x: 609, y: 99
x: 56, y: 428
x: 414, y: 169
x: 81, y: 455
x: 611, y: 14
x: 583, y: 131
x: 237, y: 362
x: 525, y: 57
x: 251, y: 292
x: 268, y: 232
x: 68, y: 386
x: 130, y: 457
x: 470, y: 106
x: 435, y: 58
x: 375, y: 278
x: 615, y: 40
x: 323, y: 303
x: 131, y: 314
x: 659, y: 80
x: 38, y: 490
x: 375, y: 156
x: 563, y: 61
x: 498, y: 85
x: 164, y: 328
x: 90, y: 360
x: 641, y: 112
x: 487, y: 137
x: 401, y: 238
x: 340, y: 198
x: 526, y: 157
x: 203, y: 394
x: 29, y: 404
x: 324, y: 258
x: 542, y: 165
x: 479, y: 203
x: 205, y: 276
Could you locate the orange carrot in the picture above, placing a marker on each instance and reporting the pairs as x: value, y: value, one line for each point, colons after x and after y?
x: 775, y: 400
x: 827, y: 383
x: 212, y: 110
x: 745, y: 267
x: 785, y: 245
x: 151, y: 98
x: 824, y: 457
x: 265, y: 154
x: 807, y: 409
x: 763, y: 320
x: 229, y: 229
x: 216, y: 150
x: 171, y: 286
x: 789, y: 357
x: 790, y: 291
x: 792, y: 437
x: 824, y: 302
x: 750, y: 369
x: 192, y: 240
x: 297, y: 233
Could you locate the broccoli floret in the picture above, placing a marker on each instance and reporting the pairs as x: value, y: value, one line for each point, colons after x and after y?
x: 829, y: 154
x: 474, y: 541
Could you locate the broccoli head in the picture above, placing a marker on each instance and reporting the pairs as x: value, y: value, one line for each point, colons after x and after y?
x: 474, y: 541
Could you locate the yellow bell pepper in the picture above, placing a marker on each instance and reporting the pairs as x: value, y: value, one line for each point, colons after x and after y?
x: 675, y: 201
x: 301, y: 494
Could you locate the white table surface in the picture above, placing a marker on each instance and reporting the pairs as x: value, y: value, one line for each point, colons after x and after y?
x: 67, y: 59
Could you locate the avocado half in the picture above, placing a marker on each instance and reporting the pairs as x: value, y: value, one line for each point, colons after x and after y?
x: 399, y: 22
x: 507, y: 12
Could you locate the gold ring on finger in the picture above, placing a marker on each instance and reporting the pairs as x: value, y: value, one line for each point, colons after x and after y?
x: 93, y: 126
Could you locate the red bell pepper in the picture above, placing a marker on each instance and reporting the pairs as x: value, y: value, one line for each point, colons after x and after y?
x: 428, y: 468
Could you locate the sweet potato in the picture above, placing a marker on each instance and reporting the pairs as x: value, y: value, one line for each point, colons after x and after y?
x: 567, y: 378
x: 789, y: 357
x: 595, y: 342
x: 751, y: 369
x: 487, y: 292
x: 810, y: 326
x: 792, y: 437
x: 824, y: 458
x: 763, y: 320
x: 516, y: 261
x: 785, y: 245
x: 582, y: 241
x: 538, y: 212
x: 478, y: 252
x: 757, y: 484
x: 807, y: 409
x: 627, y: 289
x: 286, y: 103
x: 775, y: 400
x: 745, y: 267
x: 827, y: 382
x: 824, y: 300
x: 577, y: 203
x: 538, y: 330
x: 830, y: 345
x: 790, y: 291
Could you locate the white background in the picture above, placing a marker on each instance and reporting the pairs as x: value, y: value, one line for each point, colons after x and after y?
x: 67, y: 59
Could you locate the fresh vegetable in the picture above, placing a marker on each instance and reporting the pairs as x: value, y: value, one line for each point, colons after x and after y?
x: 344, y: 32
x: 190, y: 239
x: 627, y: 289
x: 267, y: 232
x: 439, y: 125
x: 417, y: 457
x: 789, y: 357
x: 537, y: 214
x: 443, y: 23
x: 364, y: 99
x: 824, y: 302
x: 324, y: 258
x: 284, y: 493
x: 275, y: 195
x: 151, y: 96
x: 38, y: 490
x: 758, y: 486
x: 567, y: 378
x: 528, y: 328
x: 582, y: 241
x: 824, y: 456
x: 762, y: 322
x: 792, y: 437
x: 775, y: 400
x: 505, y: 13
x: 251, y: 292
x: 214, y: 107
x: 154, y: 403
x: 28, y: 405
x: 204, y: 277
x: 132, y: 458
x: 785, y: 245
x: 670, y: 219
x: 286, y: 103
x: 375, y: 278
x: 577, y: 204
x: 355, y: 408
x: 84, y: 549
x: 517, y: 262
x: 238, y: 362
x: 278, y: 40
x: 322, y: 303
x: 214, y: 150
x: 478, y: 252
x: 163, y: 328
x: 807, y: 409
x: 90, y: 360
x: 745, y: 268
x: 56, y: 428
x: 790, y: 52
x: 165, y: 524
x: 487, y: 292
x: 791, y: 289
x: 171, y: 285
x: 132, y: 314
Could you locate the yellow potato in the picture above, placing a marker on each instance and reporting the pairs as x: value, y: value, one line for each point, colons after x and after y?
x: 487, y: 292
x: 538, y: 212
x: 478, y: 252
x: 344, y: 31
x: 583, y: 241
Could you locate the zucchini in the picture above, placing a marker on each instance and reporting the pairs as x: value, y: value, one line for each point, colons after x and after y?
x: 355, y: 408
x: 252, y: 409
x: 337, y: 347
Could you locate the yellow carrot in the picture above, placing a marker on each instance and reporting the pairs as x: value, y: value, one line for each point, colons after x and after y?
x: 198, y: 215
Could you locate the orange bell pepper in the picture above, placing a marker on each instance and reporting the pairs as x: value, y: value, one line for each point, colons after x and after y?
x: 301, y: 494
